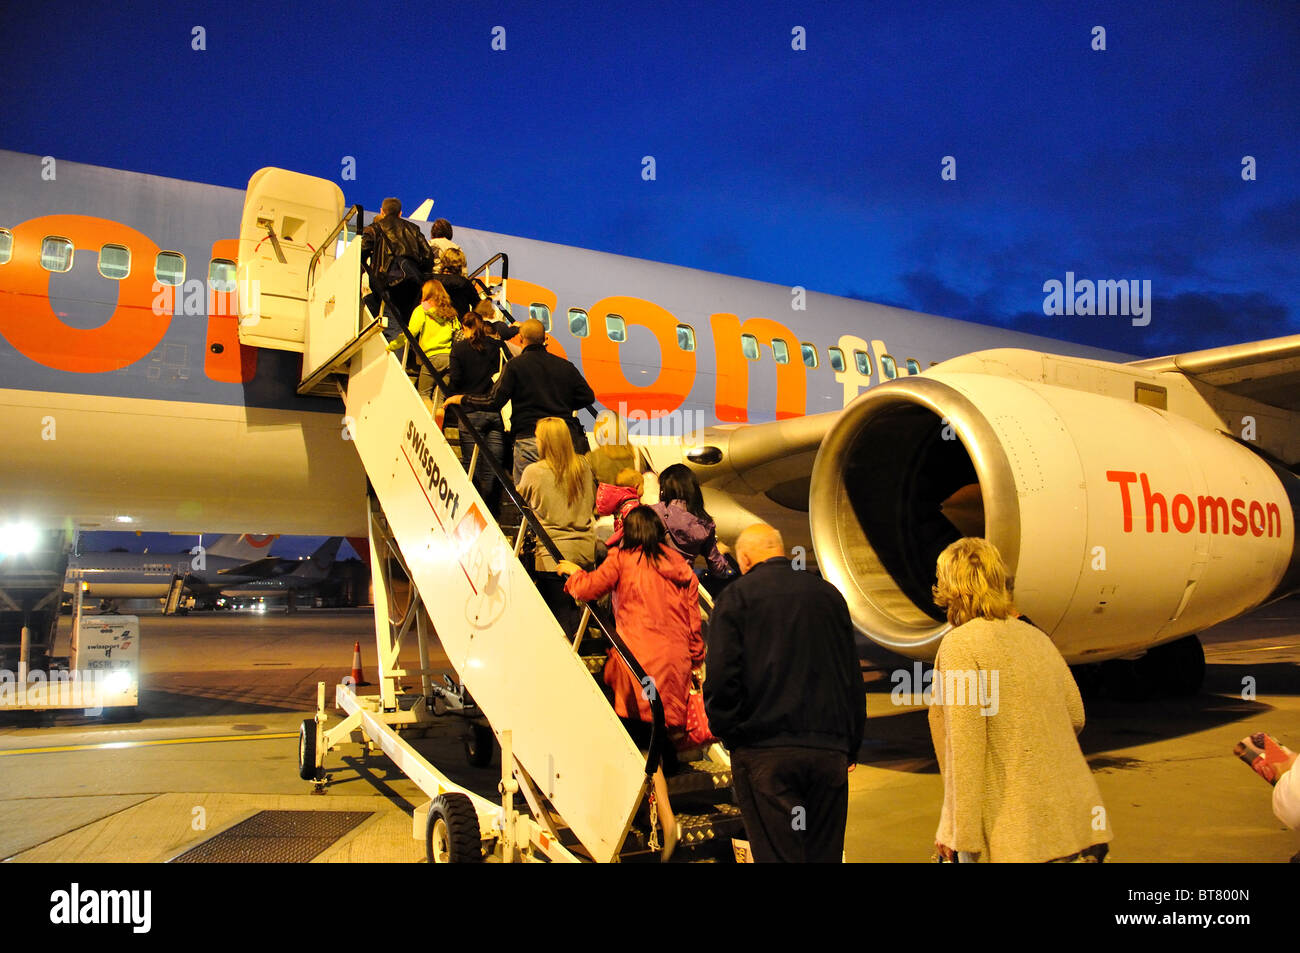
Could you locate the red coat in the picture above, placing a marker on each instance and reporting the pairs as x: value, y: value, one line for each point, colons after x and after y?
x: 657, y: 612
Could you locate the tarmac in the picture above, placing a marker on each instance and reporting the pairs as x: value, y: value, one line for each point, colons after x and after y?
x: 223, y: 695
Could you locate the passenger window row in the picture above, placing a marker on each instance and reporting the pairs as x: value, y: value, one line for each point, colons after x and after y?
x: 115, y: 262
x: 616, y: 330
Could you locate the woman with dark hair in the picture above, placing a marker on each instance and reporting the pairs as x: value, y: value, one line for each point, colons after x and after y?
x: 657, y: 614
x: 475, y: 358
x: 690, y: 528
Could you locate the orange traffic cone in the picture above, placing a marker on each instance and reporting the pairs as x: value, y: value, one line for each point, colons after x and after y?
x: 358, y: 677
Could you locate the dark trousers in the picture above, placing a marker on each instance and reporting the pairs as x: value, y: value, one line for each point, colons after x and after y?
x: 490, y: 427
x: 795, y: 802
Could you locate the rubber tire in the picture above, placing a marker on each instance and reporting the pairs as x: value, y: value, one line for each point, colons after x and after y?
x: 122, y: 713
x: 1176, y: 668
x: 453, y: 818
x: 307, y: 750
x: 479, y: 743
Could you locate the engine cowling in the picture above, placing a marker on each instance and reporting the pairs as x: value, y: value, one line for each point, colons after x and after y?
x: 1123, y: 525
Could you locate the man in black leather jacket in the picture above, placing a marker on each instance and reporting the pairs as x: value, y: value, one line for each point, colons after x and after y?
x: 397, y: 258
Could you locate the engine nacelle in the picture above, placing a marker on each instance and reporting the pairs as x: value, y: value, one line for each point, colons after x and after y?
x: 1123, y: 525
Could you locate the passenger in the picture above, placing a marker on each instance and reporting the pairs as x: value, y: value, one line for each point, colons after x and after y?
x: 475, y: 358
x: 657, y: 613
x: 440, y: 240
x: 434, y: 324
x: 451, y: 272
x: 561, y: 492
x: 397, y: 259
x: 537, y: 384
x: 784, y: 692
x: 1003, y: 719
x: 612, y: 453
x: 690, y: 528
x: 617, y: 499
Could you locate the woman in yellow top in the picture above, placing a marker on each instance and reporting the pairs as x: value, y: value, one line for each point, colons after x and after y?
x: 1003, y: 717
x: 434, y: 324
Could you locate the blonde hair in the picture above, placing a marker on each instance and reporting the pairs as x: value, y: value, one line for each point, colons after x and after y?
x: 629, y: 477
x: 452, y: 261
x: 972, y: 582
x: 555, y: 449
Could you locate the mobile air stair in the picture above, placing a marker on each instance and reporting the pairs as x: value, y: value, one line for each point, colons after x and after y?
x: 573, y: 784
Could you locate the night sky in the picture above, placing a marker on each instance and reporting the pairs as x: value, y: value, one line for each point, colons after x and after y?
x: 817, y: 167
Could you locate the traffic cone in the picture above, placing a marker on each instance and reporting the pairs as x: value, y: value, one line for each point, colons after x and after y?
x: 358, y: 677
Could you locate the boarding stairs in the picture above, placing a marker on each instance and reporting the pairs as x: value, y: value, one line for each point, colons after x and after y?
x: 573, y: 785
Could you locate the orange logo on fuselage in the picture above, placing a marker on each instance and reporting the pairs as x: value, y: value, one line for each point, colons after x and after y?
x: 141, y: 318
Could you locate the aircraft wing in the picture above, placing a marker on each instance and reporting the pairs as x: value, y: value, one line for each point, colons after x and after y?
x: 1266, y: 371
x: 266, y: 566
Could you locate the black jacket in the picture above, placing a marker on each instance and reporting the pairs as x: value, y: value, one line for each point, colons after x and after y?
x: 470, y: 369
x: 464, y: 296
x: 389, y: 238
x: 782, y: 663
x: 537, y: 384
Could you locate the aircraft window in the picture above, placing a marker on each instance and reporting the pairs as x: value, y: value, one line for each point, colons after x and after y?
x: 56, y: 254
x: 540, y: 312
x: 863, y: 360
x: 837, y: 359
x: 221, y: 274
x: 913, y: 366
x: 780, y: 351
x: 685, y: 337
x: 616, y: 328
x: 809, y: 352
x: 169, y: 268
x: 749, y: 344
x: 6, y: 245
x: 578, y: 323
x: 888, y: 367
x: 115, y: 261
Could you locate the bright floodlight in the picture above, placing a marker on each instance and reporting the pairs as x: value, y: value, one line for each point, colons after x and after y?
x: 18, y: 538
x: 117, y: 682
x: 123, y: 519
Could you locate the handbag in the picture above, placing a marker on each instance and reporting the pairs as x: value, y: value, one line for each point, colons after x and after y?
x: 697, y: 720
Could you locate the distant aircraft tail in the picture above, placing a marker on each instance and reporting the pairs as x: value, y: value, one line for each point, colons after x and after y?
x: 317, y: 565
x: 243, y: 546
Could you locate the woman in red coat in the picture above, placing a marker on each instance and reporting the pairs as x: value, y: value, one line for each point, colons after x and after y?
x: 657, y: 612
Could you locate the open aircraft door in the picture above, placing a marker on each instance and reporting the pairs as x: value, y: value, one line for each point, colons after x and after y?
x: 278, y: 236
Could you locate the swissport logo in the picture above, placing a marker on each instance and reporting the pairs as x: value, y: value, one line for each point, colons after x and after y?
x: 1208, y: 514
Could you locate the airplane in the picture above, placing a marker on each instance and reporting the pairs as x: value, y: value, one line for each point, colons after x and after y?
x: 207, y: 575
x: 1137, y: 501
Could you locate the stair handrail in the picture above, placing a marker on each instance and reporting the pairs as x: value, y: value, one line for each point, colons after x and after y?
x: 658, y: 727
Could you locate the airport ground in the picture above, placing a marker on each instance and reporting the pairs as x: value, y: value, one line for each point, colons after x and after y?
x: 223, y: 696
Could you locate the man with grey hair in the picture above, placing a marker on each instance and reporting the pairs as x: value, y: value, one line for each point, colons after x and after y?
x: 783, y: 691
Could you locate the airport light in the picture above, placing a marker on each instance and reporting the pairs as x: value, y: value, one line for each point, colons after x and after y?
x: 117, y: 682
x: 18, y: 538
x: 123, y: 519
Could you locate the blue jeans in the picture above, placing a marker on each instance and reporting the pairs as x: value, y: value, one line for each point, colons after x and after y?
x: 525, y: 453
x: 490, y: 427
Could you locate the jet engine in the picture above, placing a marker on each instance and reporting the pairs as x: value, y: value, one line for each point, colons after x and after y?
x: 1124, y: 526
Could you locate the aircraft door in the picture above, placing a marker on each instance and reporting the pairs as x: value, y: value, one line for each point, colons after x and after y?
x: 286, y: 217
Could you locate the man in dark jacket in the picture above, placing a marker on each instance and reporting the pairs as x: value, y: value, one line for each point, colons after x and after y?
x: 537, y: 384
x: 397, y: 258
x: 783, y: 691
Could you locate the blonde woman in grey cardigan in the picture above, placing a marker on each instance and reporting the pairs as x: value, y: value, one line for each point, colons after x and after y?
x: 1004, y: 714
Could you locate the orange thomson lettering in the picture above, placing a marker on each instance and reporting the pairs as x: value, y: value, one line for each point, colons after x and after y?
x: 28, y: 321
x: 602, y: 364
x: 225, y: 359
x: 1208, y: 514
x: 731, y: 403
